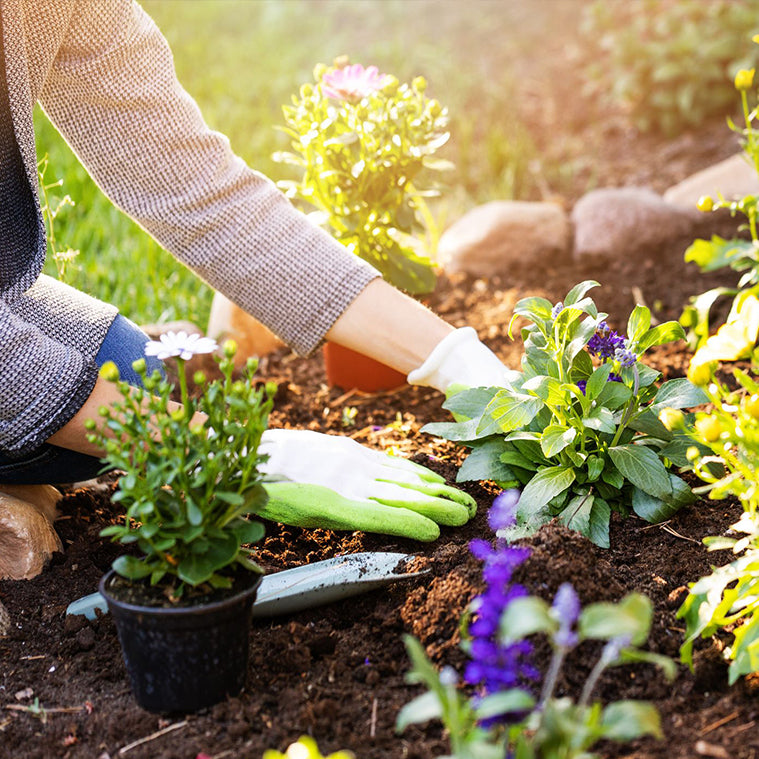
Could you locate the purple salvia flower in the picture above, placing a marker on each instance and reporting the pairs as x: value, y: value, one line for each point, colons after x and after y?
x: 503, y: 512
x: 494, y: 666
x: 556, y: 310
x: 582, y: 384
x: 605, y: 343
x: 625, y: 356
x: 566, y: 609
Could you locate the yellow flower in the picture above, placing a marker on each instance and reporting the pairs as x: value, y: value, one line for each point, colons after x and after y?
x: 744, y: 79
x: 709, y: 428
x: 700, y: 373
x: 109, y: 372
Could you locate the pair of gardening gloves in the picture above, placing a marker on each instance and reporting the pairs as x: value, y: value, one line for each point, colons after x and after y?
x: 317, y: 480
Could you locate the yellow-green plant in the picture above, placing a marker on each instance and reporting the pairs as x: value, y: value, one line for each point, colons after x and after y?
x: 51, y: 207
x: 364, y: 142
x: 725, y: 455
x: 305, y: 748
x: 736, y: 339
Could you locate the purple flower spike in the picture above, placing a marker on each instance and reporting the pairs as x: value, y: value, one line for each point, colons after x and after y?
x: 605, y: 342
x: 625, y: 356
x: 566, y: 607
x: 503, y: 512
x: 556, y: 310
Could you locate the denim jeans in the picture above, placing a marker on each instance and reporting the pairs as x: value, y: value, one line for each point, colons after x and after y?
x: 51, y: 465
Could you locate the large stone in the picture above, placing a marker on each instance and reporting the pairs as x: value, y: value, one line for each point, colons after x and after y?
x: 492, y: 238
x: 27, y: 537
x: 628, y: 221
x: 732, y: 178
x: 227, y: 320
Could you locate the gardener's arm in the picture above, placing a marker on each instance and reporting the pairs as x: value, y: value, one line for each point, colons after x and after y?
x: 387, y: 325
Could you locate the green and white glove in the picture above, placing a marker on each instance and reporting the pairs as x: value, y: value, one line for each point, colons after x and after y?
x: 317, y: 480
x: 460, y: 360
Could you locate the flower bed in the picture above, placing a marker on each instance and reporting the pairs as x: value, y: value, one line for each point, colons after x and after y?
x: 338, y: 672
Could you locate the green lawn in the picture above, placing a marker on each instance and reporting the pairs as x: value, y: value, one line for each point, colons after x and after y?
x: 242, y: 59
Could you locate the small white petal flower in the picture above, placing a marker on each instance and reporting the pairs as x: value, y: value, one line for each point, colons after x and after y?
x: 179, y: 344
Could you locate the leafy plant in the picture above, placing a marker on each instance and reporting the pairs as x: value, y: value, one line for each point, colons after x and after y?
x: 503, y: 717
x: 190, y: 473
x: 726, y: 458
x: 362, y: 140
x: 661, y: 59
x: 579, y: 429
x: 737, y: 337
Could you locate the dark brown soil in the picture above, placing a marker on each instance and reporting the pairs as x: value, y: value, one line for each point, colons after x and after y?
x: 337, y: 673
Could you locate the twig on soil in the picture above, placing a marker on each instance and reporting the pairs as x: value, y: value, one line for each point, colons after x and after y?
x: 32, y: 658
x: 157, y: 734
x: 373, y: 723
x: 668, y: 529
x: 718, y: 723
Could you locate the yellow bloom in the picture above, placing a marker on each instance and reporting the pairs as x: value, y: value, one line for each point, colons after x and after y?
x: 671, y: 418
x: 744, y: 79
x: 705, y: 204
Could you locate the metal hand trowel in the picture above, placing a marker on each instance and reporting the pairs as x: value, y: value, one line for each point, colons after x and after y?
x: 304, y: 587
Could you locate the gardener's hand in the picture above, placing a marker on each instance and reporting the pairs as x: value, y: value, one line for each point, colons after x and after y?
x: 460, y: 360
x: 316, y: 480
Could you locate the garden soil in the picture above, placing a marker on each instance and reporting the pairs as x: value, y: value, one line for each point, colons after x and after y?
x: 338, y: 672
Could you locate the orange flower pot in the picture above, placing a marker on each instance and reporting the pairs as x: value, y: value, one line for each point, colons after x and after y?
x: 350, y: 370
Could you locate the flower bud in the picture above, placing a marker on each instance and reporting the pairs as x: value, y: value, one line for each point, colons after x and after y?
x: 672, y: 418
x: 319, y: 71
x: 744, y: 79
x: 700, y: 374
x: 109, y: 372
x: 271, y: 388
x: 709, y: 428
x: 705, y: 204
x: 389, y: 85
x: 306, y: 91
x: 103, y: 411
x: 229, y: 348
x: 419, y: 83
x: 692, y: 453
x: 89, y: 425
x: 434, y: 108
x: 199, y: 378
x: 751, y: 406
x: 177, y: 415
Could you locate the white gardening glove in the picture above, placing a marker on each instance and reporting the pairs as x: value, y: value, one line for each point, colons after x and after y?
x: 317, y: 480
x: 460, y: 360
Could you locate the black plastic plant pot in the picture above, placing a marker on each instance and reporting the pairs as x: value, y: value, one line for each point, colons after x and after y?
x: 182, y: 659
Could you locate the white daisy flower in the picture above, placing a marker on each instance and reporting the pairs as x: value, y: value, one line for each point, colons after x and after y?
x: 179, y: 344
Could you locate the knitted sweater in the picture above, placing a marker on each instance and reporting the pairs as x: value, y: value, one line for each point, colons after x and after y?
x: 104, y: 75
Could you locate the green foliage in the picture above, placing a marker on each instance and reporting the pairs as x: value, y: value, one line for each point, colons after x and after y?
x: 548, y: 727
x: 581, y: 437
x: 362, y: 159
x: 726, y: 458
x: 668, y: 62
x: 190, y: 474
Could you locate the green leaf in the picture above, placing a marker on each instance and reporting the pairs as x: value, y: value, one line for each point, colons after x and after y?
x: 597, y: 381
x: 679, y: 393
x: 422, y: 709
x: 626, y: 720
x: 631, y: 616
x: 642, y: 467
x: 131, y: 567
x: 556, y: 438
x: 544, y: 486
x: 661, y: 334
x: 534, y: 308
x: 248, y: 531
x: 197, y: 568
x: 484, y: 463
x: 233, y: 499
x: 654, y: 509
x: 511, y: 410
x: 638, y: 323
x: 548, y: 389
x: 717, y: 253
x: 471, y: 402
x: 614, y: 395
x: 579, y: 290
x: 514, y: 700
x: 590, y: 516
x: 525, y: 616
x: 600, y: 419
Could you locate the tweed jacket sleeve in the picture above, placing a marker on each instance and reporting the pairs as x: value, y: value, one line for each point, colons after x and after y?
x: 113, y: 93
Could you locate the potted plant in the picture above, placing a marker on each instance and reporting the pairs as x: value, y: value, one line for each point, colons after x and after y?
x: 363, y: 142
x: 190, y: 479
